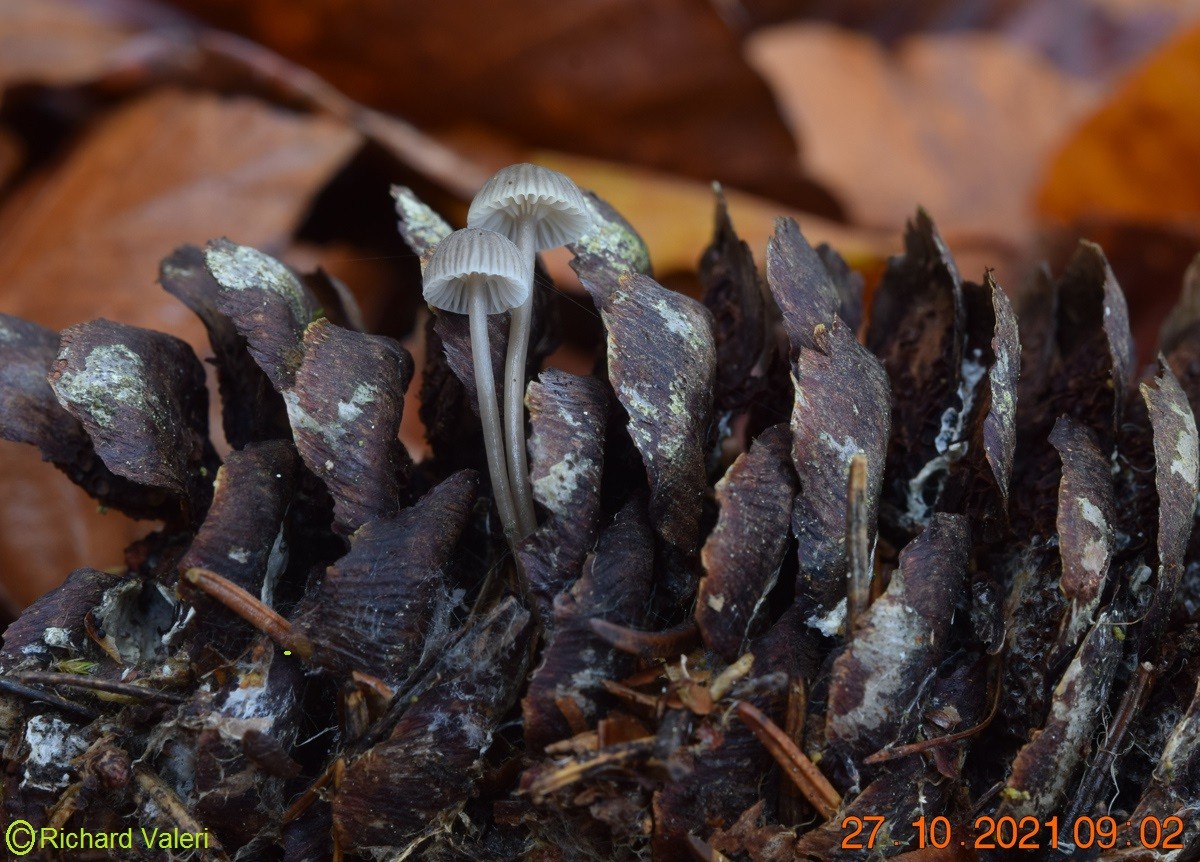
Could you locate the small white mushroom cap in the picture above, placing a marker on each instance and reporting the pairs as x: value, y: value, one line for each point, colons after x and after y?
x: 557, y: 205
x: 476, y: 252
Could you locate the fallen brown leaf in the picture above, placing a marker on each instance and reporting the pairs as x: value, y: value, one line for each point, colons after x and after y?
x: 168, y: 168
x: 84, y: 38
x: 1090, y: 37
x: 1133, y: 159
x: 617, y: 79
x: 958, y: 123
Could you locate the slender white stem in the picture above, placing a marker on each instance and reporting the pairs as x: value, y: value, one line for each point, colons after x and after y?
x: 514, y: 387
x: 489, y: 413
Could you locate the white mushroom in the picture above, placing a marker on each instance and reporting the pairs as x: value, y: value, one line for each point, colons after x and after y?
x: 538, y: 209
x: 479, y: 272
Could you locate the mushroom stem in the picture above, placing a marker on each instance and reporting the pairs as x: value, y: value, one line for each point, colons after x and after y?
x: 514, y: 385
x: 489, y: 412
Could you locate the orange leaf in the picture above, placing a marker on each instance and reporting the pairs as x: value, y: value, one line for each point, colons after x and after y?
x: 1136, y: 157
x: 959, y: 123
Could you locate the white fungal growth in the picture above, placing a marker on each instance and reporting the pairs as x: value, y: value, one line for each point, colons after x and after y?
x: 111, y: 374
x: 641, y: 411
x: 557, y: 483
x: 1186, y: 462
x: 1095, y: 556
x: 970, y: 373
x: 1092, y: 514
x: 171, y: 637
x: 301, y: 420
x: 237, y: 267
x: 420, y: 219
x: 53, y: 744
x: 673, y: 320
x: 1095, y: 552
x: 692, y: 342
x: 569, y: 420
x: 845, y: 450
x: 57, y: 637
x: 831, y: 623
x: 645, y: 417
x: 1002, y: 399
x: 557, y: 488
x: 677, y: 401
x: 1079, y: 699
x: 1139, y: 578
x: 898, y: 637
x: 613, y: 239
x: 935, y: 470
x: 948, y: 444
x: 1180, y: 744
x: 332, y: 433
x: 364, y: 394
x: 135, y: 619
x: 252, y: 702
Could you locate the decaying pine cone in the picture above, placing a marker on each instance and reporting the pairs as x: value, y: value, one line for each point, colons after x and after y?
x: 952, y: 575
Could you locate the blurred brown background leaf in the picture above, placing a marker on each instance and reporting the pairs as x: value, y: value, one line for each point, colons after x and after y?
x: 617, y: 79
x: 966, y: 120
x: 1135, y: 158
x: 1129, y: 178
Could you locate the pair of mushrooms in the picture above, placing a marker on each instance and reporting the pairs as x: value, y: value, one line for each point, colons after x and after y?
x: 488, y: 268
